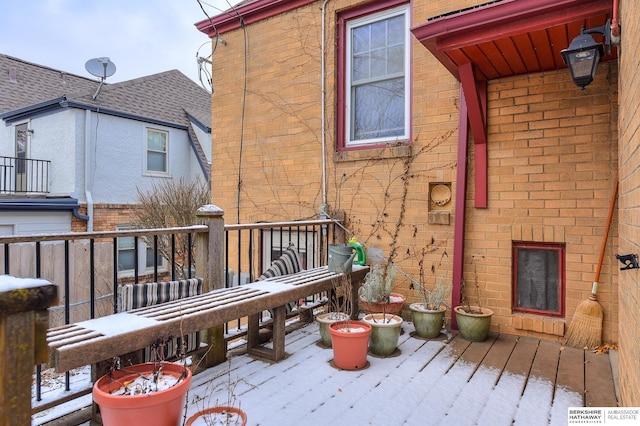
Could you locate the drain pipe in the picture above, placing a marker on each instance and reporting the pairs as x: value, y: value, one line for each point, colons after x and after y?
x: 324, y: 207
x: 87, y: 168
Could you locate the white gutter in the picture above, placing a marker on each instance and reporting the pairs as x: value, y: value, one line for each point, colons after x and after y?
x: 87, y: 169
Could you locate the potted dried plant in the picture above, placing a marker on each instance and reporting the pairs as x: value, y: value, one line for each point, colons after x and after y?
x: 349, y: 338
x: 334, y: 313
x: 428, y: 315
x: 474, y: 321
x: 228, y: 413
x: 376, y: 294
x: 147, y: 393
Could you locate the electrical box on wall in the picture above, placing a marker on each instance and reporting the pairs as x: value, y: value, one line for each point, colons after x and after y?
x: 440, y: 203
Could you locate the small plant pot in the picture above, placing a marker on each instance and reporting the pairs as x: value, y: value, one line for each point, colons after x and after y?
x: 162, y: 408
x: 385, y: 332
x: 393, y: 307
x: 324, y: 320
x: 221, y: 415
x: 350, y: 342
x: 428, y: 323
x: 473, y: 326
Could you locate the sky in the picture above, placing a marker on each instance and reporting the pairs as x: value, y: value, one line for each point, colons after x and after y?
x: 140, y: 37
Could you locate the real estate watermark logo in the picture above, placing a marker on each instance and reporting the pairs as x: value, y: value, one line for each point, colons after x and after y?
x: 603, y: 415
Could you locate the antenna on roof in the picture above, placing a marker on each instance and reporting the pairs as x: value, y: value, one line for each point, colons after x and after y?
x: 100, y: 67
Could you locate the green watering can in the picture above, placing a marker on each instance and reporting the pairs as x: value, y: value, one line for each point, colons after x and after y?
x: 361, y: 254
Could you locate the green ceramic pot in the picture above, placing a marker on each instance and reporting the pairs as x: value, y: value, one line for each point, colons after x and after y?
x: 428, y: 323
x: 473, y: 326
x: 324, y: 320
x: 385, y: 332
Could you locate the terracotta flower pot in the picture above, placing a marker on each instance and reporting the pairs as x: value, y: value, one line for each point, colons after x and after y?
x: 473, y: 326
x: 161, y: 408
x: 324, y: 320
x: 393, y: 307
x: 385, y: 332
x: 428, y: 323
x: 220, y: 415
x: 350, y: 341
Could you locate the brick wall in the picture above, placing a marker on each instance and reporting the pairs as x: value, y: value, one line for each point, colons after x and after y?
x: 552, y: 157
x: 105, y: 217
x: 629, y: 213
x: 551, y: 150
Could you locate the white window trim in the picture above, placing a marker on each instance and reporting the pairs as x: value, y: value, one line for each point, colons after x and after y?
x: 400, y: 10
x: 146, y: 152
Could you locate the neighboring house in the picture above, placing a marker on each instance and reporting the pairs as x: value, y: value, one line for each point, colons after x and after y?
x: 69, y: 162
x: 452, y: 137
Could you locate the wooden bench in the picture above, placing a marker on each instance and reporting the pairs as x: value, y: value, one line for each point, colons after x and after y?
x: 95, y: 340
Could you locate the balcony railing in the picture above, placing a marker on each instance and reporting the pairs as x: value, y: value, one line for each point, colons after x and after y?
x: 85, y: 268
x: 24, y: 175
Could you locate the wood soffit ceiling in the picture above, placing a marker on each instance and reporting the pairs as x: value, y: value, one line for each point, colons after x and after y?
x: 505, y: 38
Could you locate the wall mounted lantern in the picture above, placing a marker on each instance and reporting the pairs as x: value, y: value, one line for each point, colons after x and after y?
x: 584, y: 54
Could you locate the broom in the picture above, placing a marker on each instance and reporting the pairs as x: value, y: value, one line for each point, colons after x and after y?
x: 585, y: 329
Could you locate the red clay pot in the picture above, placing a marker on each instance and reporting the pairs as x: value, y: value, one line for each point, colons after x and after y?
x: 350, y: 341
x: 393, y: 308
x: 218, y: 416
x: 162, y: 408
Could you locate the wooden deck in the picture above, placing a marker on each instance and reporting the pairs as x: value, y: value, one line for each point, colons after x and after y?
x: 503, y: 381
x: 506, y: 380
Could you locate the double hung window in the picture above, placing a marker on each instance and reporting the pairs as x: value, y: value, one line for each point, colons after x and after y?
x: 376, y: 78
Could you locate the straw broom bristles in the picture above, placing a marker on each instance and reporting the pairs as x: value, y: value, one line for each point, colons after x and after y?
x: 585, y: 329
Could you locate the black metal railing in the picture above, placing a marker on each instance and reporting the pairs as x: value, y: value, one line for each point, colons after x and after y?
x: 86, y: 269
x: 24, y: 175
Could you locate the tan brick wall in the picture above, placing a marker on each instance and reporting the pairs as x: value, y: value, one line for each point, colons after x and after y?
x: 105, y: 217
x: 629, y: 213
x: 552, y: 160
x: 552, y: 165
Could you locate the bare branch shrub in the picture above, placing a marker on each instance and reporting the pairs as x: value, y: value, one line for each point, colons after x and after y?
x: 172, y: 203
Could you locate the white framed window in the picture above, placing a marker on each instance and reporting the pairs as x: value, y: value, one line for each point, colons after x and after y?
x: 127, y: 259
x: 157, y: 151
x: 376, y: 78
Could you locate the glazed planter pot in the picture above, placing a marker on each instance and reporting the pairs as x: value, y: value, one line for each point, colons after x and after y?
x: 393, y: 307
x: 163, y: 407
x: 221, y: 415
x: 385, y: 331
x: 428, y: 323
x: 473, y: 326
x: 350, y: 342
x: 324, y: 320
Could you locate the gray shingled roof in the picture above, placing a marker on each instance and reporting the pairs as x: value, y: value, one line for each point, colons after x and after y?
x: 23, y: 83
x: 166, y: 97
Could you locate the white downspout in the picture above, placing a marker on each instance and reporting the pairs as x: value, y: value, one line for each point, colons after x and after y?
x: 87, y: 169
x: 324, y: 207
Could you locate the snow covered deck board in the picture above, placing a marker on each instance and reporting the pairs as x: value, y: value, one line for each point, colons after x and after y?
x: 95, y: 340
x: 440, y: 381
x: 305, y: 388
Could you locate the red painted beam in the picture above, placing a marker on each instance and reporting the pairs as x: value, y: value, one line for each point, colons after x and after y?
x: 476, y: 115
x: 461, y: 208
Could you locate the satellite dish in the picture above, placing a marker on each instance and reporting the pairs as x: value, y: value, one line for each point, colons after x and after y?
x: 100, y: 67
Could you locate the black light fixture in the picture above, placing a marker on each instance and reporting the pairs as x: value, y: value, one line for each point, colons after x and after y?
x: 583, y: 54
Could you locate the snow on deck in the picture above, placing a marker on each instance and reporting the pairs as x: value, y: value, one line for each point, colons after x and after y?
x: 503, y: 381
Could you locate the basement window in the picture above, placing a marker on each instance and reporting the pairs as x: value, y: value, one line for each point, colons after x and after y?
x: 539, y: 278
